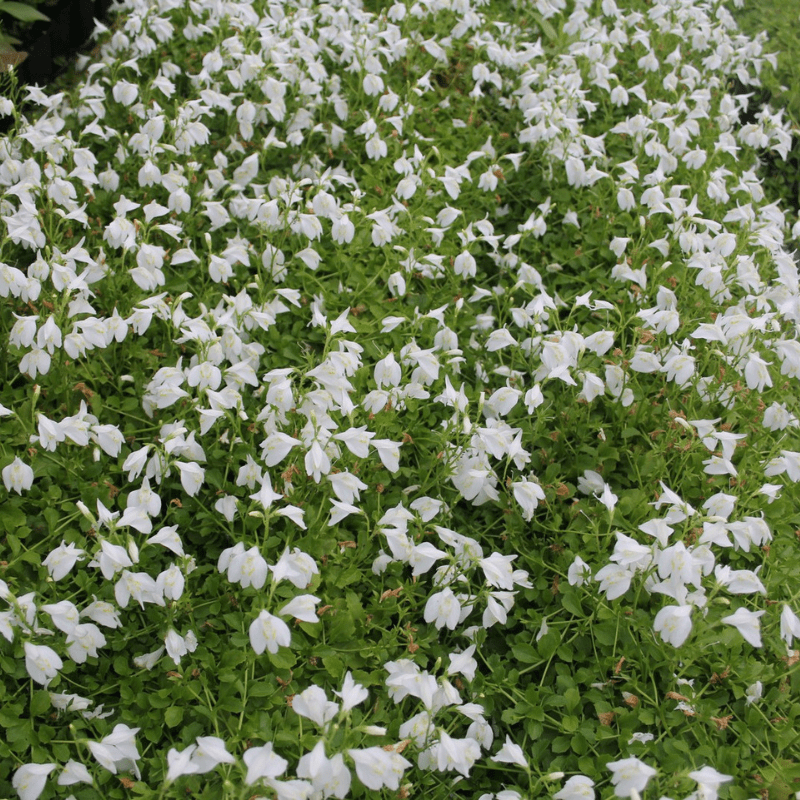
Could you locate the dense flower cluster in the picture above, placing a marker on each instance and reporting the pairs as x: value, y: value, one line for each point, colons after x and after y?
x: 357, y: 339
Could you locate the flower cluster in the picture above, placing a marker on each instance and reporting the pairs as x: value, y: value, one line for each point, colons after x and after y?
x: 357, y: 355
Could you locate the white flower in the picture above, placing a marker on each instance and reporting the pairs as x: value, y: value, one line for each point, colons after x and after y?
x: 109, y: 438
x: 376, y: 149
x: 176, y: 646
x: 618, y: 245
x: 180, y: 763
x: 292, y: 789
x: 352, y: 693
x: 746, y: 622
x: 262, y: 762
x: 269, y: 633
x: 497, y: 570
x: 388, y: 452
x: 74, y: 772
x: 511, y: 753
x: 443, y: 609
x: 276, y: 447
x: 614, y: 579
x: 61, y: 560
x: 674, y: 624
x: 377, y: 767
x: 209, y: 753
x: 192, y: 476
x: 790, y: 625
x: 498, y: 604
x: 607, y: 498
x: 83, y: 640
x: 341, y: 511
x: 102, y: 613
x: 168, y: 537
x: 71, y: 702
x: 708, y: 782
x: 148, y: 660
x: 112, y: 558
x: 373, y: 85
x: 314, y: 705
x: 125, y: 93
x: 591, y: 482
x: 754, y: 692
x: 578, y: 571
x: 457, y: 754
x: 50, y: 433
x: 138, y: 585
x: 226, y: 505
x: 146, y: 498
x: 317, y: 462
x: 756, y: 373
x: 679, y: 368
x: 329, y: 776
x: 301, y: 607
x: 419, y: 728
x: 342, y: 229
x: 30, y: 779
x: 117, y: 751
x: 463, y: 663
x: 18, y: 476
x: 499, y: 339
x: 346, y: 486
x: 739, y: 581
x: 265, y: 496
x: 42, y: 663
x: 578, y: 787
x: 630, y: 775
x: 135, y: 462
x: 465, y: 265
x: 248, y: 569
x: 297, y: 567
x: 422, y: 557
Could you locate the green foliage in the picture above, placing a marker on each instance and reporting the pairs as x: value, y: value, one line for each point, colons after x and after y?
x: 777, y: 23
x: 466, y: 466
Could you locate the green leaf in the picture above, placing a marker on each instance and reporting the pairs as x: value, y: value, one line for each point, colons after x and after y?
x: 525, y: 653
x: 7, y: 44
x: 573, y: 698
x: 342, y: 628
x: 569, y: 724
x: 260, y: 689
x: 173, y: 716
x: 578, y: 744
x: 12, y: 518
x: 22, y: 12
x: 510, y: 716
x: 572, y: 603
x: 560, y: 744
x: 548, y: 643
x: 40, y: 702
x: 283, y: 659
x: 232, y: 704
x: 605, y: 633
x: 354, y: 606
x: 334, y: 666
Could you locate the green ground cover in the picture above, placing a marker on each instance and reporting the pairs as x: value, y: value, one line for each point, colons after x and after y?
x: 399, y: 400
x: 779, y: 88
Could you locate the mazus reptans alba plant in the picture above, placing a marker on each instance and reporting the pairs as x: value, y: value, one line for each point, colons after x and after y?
x: 399, y: 399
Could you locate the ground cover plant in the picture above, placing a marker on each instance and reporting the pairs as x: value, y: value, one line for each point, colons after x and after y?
x: 779, y: 87
x: 399, y: 400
